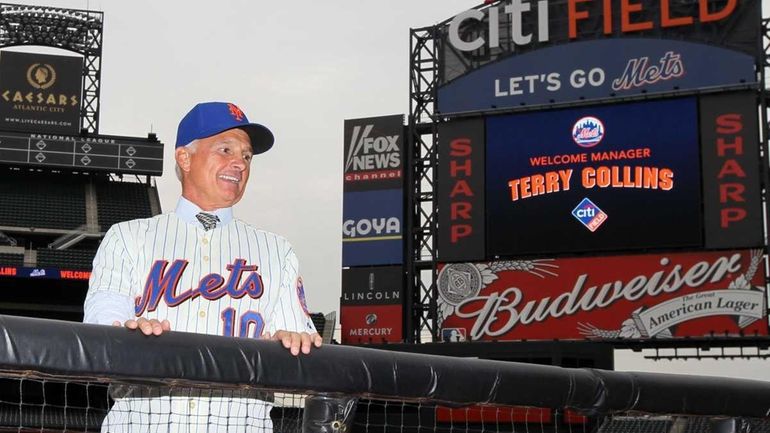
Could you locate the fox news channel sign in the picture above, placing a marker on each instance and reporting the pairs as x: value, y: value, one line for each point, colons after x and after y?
x: 40, y: 93
x: 601, y: 50
x: 374, y: 149
x: 594, y: 178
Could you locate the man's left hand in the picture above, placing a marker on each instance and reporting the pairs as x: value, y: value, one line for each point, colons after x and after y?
x: 296, y: 341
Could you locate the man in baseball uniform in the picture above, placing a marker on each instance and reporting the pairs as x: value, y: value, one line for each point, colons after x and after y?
x: 199, y: 269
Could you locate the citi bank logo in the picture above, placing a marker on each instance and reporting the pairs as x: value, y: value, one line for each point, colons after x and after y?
x: 589, y: 214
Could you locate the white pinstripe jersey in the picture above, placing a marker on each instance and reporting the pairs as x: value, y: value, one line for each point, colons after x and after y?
x: 231, y: 280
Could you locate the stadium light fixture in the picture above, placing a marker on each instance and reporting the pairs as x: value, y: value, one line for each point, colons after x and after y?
x: 56, y: 27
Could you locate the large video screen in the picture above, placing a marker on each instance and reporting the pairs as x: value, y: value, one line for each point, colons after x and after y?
x: 603, y: 178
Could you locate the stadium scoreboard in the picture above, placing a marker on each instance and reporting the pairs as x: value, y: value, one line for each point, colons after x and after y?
x: 88, y: 153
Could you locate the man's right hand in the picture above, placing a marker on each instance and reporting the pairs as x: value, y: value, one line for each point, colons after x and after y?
x: 147, y: 327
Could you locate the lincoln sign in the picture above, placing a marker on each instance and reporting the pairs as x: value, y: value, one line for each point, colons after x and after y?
x: 645, y: 296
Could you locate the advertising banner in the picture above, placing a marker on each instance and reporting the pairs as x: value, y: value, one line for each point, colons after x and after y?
x: 363, y: 324
x: 646, y: 296
x: 381, y: 285
x: 40, y: 93
x: 374, y: 153
x: 47, y: 273
x: 732, y: 203
x: 592, y: 179
x: 593, y: 70
x: 483, y: 36
x: 372, y: 224
x: 461, y: 190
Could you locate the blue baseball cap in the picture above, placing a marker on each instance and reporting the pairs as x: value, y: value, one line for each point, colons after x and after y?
x: 211, y: 118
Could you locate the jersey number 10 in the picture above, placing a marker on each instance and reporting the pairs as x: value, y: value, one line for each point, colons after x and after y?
x: 250, y: 324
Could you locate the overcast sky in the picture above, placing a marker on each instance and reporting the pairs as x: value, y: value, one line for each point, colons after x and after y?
x: 300, y: 68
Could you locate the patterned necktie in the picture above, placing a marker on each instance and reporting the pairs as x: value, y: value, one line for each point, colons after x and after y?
x: 208, y: 220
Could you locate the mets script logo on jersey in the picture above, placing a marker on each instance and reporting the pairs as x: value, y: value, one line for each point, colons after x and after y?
x: 588, y: 131
x: 163, y: 282
x: 235, y: 112
x: 589, y: 214
x: 372, y: 153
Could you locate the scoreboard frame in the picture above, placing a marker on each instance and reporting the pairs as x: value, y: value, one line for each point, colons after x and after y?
x: 89, y: 152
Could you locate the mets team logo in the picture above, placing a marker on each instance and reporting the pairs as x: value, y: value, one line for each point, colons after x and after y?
x: 588, y: 131
x: 301, y: 296
x: 589, y: 214
x: 236, y: 112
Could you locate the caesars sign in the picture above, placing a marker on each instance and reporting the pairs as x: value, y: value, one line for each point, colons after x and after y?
x: 647, y: 296
x: 521, y: 52
x: 40, y: 93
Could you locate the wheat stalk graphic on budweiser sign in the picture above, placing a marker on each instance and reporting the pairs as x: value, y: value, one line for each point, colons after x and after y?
x: 631, y: 329
x: 460, y: 281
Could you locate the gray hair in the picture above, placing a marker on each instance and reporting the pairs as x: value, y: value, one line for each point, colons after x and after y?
x: 191, y: 147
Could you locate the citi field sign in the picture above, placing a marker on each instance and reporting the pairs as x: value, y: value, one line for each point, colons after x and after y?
x: 647, y: 296
x: 521, y: 52
x: 625, y: 18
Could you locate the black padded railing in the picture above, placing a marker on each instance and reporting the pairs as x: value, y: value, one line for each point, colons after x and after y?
x: 45, y: 348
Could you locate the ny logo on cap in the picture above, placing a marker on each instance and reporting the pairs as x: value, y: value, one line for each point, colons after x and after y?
x: 236, y: 112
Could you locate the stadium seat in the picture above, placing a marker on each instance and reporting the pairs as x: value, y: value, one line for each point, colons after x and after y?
x: 66, y: 259
x: 42, y: 201
x: 121, y: 201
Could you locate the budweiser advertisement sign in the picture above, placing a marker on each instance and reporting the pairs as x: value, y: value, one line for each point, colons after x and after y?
x: 645, y: 296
